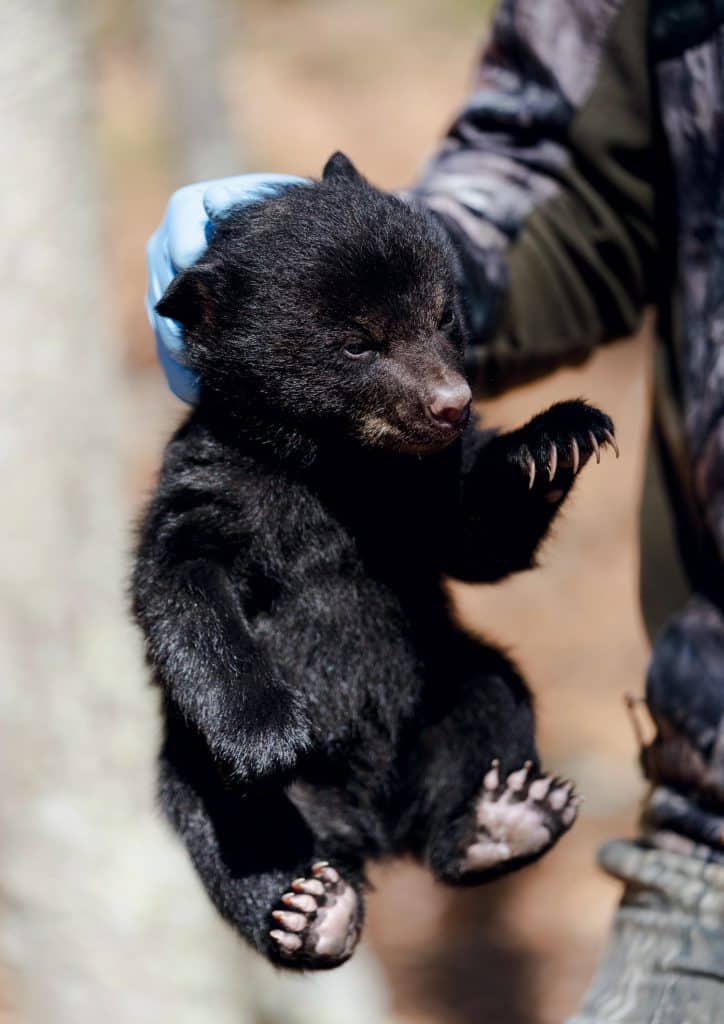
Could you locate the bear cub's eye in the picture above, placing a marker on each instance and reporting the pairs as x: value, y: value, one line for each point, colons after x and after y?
x: 360, y: 348
x: 447, y: 319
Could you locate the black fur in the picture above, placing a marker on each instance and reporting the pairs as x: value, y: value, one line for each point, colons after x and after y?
x: 320, y: 701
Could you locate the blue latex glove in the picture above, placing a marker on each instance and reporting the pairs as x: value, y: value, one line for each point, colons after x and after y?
x: 178, y: 242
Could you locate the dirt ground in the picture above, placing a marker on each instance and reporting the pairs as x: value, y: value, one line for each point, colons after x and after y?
x: 381, y: 80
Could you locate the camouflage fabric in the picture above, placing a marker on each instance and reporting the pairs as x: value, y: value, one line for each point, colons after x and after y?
x: 664, y: 962
x: 533, y: 177
x: 582, y: 180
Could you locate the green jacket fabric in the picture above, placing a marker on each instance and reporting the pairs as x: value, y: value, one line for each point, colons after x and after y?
x: 545, y: 185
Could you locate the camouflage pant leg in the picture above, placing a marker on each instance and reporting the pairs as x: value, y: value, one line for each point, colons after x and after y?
x: 664, y: 962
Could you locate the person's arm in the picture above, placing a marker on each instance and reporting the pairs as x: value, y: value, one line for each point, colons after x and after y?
x: 544, y: 185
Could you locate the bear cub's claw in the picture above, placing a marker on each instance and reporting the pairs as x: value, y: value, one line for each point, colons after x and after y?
x: 556, y: 444
x: 318, y: 920
x: 517, y: 819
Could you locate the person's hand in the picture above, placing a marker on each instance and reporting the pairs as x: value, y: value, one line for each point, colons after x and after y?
x: 178, y: 242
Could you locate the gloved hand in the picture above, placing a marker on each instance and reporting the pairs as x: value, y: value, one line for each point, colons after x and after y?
x: 178, y: 242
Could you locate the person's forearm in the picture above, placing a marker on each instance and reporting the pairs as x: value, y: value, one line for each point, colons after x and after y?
x: 543, y: 185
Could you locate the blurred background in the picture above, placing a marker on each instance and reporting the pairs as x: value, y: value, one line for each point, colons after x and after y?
x: 106, y: 108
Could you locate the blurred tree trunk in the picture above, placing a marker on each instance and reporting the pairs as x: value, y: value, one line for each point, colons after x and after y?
x: 188, y: 41
x: 101, y: 919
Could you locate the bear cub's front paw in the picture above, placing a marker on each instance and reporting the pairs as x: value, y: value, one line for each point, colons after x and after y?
x: 556, y: 444
x: 517, y: 819
x: 318, y: 922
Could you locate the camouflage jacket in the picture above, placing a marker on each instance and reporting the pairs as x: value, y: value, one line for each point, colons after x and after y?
x: 582, y: 181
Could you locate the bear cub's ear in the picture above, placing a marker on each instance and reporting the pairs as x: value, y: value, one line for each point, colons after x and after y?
x: 340, y: 167
x: 190, y: 296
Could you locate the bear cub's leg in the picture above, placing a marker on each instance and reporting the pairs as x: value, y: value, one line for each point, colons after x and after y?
x: 483, y: 805
x: 516, y: 819
x: 261, y: 863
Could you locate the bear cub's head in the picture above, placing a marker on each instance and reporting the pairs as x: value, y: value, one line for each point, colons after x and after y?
x: 330, y: 307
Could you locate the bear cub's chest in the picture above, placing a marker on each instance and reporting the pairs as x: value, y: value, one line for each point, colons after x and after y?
x: 355, y: 524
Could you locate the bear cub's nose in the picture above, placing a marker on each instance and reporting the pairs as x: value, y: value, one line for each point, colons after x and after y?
x: 450, y: 403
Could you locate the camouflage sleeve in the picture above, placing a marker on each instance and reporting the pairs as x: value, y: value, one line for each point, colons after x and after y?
x: 543, y: 184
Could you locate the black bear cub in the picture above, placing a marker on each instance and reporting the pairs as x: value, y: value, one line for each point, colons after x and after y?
x: 321, y: 705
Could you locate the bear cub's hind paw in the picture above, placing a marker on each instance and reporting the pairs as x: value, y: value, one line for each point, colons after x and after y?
x: 318, y: 921
x: 517, y: 819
